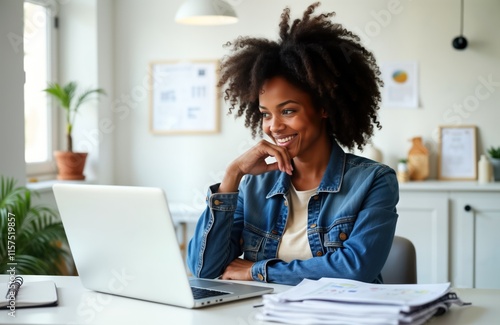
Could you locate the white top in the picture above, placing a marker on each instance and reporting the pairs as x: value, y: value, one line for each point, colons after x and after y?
x: 294, y: 244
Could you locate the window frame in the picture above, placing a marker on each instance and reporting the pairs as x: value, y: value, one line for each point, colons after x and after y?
x: 47, y: 169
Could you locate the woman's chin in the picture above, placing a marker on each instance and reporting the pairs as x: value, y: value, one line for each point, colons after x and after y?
x: 292, y: 150
x: 292, y: 153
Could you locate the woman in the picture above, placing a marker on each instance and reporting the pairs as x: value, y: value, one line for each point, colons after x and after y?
x: 316, y: 211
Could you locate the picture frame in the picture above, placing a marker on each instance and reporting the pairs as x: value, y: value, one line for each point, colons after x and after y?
x: 183, y: 97
x: 457, y: 156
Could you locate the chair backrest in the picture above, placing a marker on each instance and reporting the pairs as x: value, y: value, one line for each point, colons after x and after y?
x: 401, y: 265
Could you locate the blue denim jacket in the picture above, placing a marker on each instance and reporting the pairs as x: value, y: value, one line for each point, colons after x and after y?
x: 351, y: 224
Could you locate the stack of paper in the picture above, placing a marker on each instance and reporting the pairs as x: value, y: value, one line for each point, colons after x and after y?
x: 342, y: 301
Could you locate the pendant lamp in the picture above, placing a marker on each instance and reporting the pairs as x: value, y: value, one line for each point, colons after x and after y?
x: 206, y: 12
x: 460, y: 42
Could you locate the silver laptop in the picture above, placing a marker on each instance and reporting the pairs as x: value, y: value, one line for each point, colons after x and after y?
x: 124, y: 242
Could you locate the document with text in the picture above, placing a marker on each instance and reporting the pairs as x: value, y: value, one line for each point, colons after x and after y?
x: 343, y: 301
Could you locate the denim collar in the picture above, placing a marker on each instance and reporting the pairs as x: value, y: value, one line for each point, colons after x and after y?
x: 331, y: 181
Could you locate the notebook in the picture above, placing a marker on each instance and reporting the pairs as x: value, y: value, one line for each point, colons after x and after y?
x: 28, y: 294
x: 123, y: 242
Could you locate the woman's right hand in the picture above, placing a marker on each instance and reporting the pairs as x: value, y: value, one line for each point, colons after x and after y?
x: 253, y: 162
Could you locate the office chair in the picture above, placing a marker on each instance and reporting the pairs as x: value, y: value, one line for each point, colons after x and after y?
x: 401, y: 265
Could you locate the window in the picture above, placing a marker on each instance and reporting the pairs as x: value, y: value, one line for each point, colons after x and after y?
x: 39, y: 58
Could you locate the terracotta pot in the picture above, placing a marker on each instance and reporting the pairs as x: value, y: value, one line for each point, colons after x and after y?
x: 70, y: 165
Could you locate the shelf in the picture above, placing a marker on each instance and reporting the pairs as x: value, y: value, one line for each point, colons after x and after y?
x: 436, y: 185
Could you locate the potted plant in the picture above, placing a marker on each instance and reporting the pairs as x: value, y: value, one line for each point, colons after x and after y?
x: 495, y: 161
x: 70, y: 164
x: 33, y: 238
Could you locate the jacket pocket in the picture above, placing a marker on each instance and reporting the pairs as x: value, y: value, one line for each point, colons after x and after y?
x: 336, y: 236
x: 251, y: 244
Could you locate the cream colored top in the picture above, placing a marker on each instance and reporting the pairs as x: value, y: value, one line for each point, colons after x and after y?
x: 294, y: 243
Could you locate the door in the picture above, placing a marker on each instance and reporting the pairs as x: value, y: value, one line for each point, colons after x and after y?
x: 476, y: 246
x: 424, y: 219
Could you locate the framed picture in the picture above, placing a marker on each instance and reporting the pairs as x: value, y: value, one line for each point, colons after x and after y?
x: 457, y: 153
x: 183, y: 97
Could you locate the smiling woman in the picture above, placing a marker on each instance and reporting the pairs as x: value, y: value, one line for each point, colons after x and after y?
x: 316, y: 211
x: 291, y: 121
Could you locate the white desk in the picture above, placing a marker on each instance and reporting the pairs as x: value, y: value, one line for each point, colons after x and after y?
x: 80, y: 306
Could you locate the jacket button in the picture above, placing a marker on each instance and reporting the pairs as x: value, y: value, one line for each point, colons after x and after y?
x: 319, y: 253
x: 274, y: 232
x: 313, y: 225
x: 241, y: 241
x: 286, y: 203
x: 260, y: 276
x: 343, y: 236
x: 217, y: 202
x: 316, y: 197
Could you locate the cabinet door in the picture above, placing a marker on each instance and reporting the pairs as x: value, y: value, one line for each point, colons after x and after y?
x: 424, y: 219
x: 475, y: 250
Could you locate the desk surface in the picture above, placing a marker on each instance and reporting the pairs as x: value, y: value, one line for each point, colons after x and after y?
x: 78, y: 305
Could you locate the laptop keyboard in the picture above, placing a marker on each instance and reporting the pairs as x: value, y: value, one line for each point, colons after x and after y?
x: 200, y: 293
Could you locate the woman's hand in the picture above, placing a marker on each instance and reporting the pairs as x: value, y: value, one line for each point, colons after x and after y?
x: 253, y: 162
x: 239, y: 269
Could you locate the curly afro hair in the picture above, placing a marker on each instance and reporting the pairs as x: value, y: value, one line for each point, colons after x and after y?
x: 320, y: 57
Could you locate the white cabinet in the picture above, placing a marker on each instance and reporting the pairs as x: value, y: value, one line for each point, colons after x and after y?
x: 476, y: 246
x: 455, y: 227
x: 423, y: 219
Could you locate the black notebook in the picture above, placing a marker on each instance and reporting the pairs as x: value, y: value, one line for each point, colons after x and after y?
x: 28, y: 294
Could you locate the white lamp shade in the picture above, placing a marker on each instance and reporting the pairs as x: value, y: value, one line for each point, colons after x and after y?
x: 206, y: 12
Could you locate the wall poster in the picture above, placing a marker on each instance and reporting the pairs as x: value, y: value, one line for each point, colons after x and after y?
x: 183, y: 97
x: 400, y: 84
x: 457, y: 153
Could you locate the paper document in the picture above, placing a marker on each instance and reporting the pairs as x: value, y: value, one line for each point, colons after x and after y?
x: 342, y: 301
x: 354, y: 291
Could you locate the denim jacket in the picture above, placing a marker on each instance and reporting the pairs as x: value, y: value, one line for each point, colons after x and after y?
x: 351, y: 224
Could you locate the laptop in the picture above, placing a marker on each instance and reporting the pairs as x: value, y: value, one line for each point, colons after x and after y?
x: 124, y: 243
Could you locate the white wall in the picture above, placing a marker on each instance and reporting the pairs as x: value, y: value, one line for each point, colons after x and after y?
x: 105, y: 59
x: 11, y: 91
x: 110, y: 43
x: 419, y: 31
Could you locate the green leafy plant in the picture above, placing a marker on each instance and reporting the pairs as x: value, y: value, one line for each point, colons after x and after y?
x: 32, y: 236
x: 70, y: 103
x: 494, y: 152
